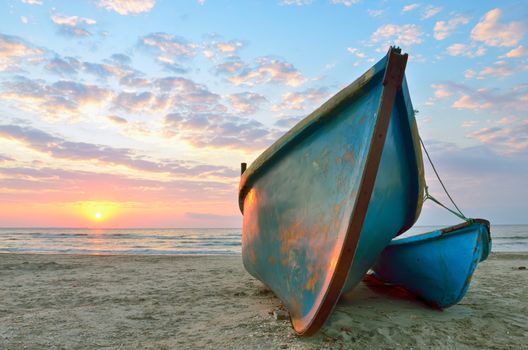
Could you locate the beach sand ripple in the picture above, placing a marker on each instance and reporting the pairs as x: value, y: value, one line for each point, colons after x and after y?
x: 187, y: 302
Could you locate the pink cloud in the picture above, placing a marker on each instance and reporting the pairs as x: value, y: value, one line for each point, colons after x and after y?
x: 14, y: 51
x: 298, y: 101
x: 127, y: 7
x: 264, y: 70
x: 409, y: 7
x: 502, y: 69
x: 493, y: 33
x: 57, y: 100
x: 459, y: 49
x: 441, y: 90
x: 468, y: 102
x: 443, y: 29
x: 403, y: 35
x: 213, y: 130
x: 519, y: 51
x: 246, y: 102
x: 73, y: 25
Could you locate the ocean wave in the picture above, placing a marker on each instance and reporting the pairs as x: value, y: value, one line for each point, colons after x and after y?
x: 167, y: 241
x: 509, y: 237
x: 120, y: 252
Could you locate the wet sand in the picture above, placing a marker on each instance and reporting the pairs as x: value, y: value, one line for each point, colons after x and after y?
x: 178, y: 302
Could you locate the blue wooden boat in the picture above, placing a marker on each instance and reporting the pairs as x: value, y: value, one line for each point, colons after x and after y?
x: 436, y: 266
x: 323, y: 201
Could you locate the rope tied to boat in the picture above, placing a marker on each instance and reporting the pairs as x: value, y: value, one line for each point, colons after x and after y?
x: 427, y: 195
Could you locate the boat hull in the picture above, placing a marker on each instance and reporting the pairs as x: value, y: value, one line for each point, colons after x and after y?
x: 436, y: 266
x: 319, y: 207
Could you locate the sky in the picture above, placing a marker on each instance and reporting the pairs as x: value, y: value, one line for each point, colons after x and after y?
x: 117, y: 113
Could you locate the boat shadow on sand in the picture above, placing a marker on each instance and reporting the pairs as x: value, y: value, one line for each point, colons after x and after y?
x: 379, y: 288
x: 388, y: 313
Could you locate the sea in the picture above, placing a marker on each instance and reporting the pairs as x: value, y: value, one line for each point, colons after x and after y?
x: 179, y: 241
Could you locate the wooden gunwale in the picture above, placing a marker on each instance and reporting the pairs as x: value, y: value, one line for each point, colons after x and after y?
x: 465, y: 224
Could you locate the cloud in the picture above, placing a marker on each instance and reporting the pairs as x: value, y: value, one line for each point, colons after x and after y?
x: 456, y: 49
x: 502, y: 69
x: 115, y: 67
x: 215, y: 130
x: 444, y: 29
x: 4, y: 159
x: 231, y: 67
x: 347, y: 3
x: 298, y: 101
x: 105, y: 70
x: 295, y: 2
x: 223, y: 48
x: 229, y: 47
x: 468, y: 123
x: 246, y: 102
x: 264, y: 70
x: 127, y: 7
x: 402, y: 35
x: 14, y: 51
x: 121, y: 59
x: 375, y: 13
x: 169, y: 45
x: 356, y: 52
x: 60, y: 99
x: 162, y: 95
x: 484, y: 167
x: 493, y: 33
x: 117, y: 120
x: 133, y: 80
x: 469, y: 74
x: 61, y: 148
x: 519, y: 51
x: 32, y: 2
x: 359, y: 55
x: 465, y: 50
x: 71, y: 21
x: 288, y: 122
x: 409, y: 7
x: 469, y: 102
x: 169, y: 49
x: 73, y: 25
x: 427, y: 12
x: 441, y: 90
x: 509, y: 139
x: 430, y: 11
x: 63, y: 66
x: 179, y: 84
x: 496, y: 100
x: 188, y: 95
x: 135, y: 102
x: 27, y: 184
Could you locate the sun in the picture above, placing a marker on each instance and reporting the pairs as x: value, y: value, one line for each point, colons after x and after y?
x: 97, y: 212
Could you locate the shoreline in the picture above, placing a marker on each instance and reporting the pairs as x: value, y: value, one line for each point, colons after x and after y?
x: 519, y: 254
x: 210, y: 301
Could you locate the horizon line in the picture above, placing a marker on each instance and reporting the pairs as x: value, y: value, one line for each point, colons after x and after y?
x: 186, y: 228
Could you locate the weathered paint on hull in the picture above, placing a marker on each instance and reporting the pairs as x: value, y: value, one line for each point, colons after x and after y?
x: 300, y: 198
x: 436, y: 266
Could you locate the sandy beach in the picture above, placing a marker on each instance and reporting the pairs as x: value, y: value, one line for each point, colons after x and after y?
x: 178, y: 302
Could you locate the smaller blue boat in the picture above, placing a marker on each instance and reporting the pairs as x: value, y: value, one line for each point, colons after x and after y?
x: 436, y: 266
